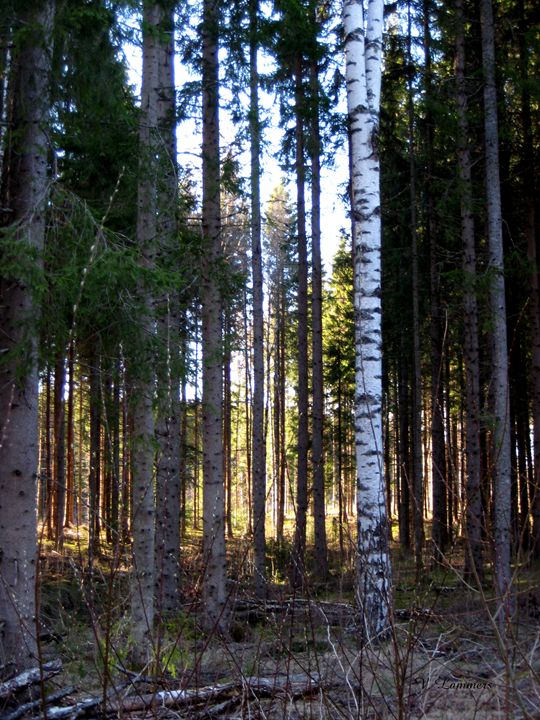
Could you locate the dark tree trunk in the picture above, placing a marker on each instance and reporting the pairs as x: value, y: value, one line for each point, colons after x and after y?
x: 499, y: 384
x: 23, y: 216
x: 417, y: 470
x: 59, y: 450
x: 319, y: 505
x: 299, y: 549
x: 94, y: 475
x: 258, y: 445
x: 474, y: 512
x: 70, y: 460
x: 214, y: 587
x: 438, y: 452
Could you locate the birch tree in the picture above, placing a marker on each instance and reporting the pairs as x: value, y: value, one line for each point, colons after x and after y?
x: 23, y: 210
x: 363, y: 55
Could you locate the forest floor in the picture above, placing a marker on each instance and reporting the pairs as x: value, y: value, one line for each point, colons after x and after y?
x: 444, y: 657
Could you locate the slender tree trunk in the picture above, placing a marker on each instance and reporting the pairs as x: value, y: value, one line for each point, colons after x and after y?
x: 59, y: 449
x: 115, y: 457
x: 125, y: 513
x: 473, y: 558
x: 319, y: 510
x: 49, y: 483
x: 248, y: 416
x: 167, y: 540
x: 227, y: 432
x: 94, y: 474
x: 404, y: 456
x: 258, y: 444
x: 529, y: 186
x: 439, y: 473
x: 501, y: 411
x: 142, y: 383
x: 417, y: 473
x: 363, y: 52
x: 70, y: 461
x: 302, y: 444
x: 214, y: 581
x: 25, y: 171
x: 183, y: 445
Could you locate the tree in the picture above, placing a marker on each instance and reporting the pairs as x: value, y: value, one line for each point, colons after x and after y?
x: 499, y: 390
x: 214, y: 588
x: 24, y: 196
x: 258, y: 441
x: 167, y: 544
x: 363, y: 54
x: 143, y: 517
x: 321, y: 560
x: 474, y: 563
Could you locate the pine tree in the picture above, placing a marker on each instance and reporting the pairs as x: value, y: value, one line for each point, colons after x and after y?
x: 24, y: 197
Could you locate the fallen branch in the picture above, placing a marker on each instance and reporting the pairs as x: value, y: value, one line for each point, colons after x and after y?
x: 293, y: 686
x: 27, y: 707
x: 29, y: 677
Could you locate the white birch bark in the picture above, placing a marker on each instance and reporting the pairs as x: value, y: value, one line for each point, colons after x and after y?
x: 363, y: 54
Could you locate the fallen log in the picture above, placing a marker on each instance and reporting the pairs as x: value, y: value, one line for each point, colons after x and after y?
x: 320, y: 613
x: 29, y: 706
x: 29, y: 677
x: 293, y: 686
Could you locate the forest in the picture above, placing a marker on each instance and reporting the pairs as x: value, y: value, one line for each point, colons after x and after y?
x: 269, y: 359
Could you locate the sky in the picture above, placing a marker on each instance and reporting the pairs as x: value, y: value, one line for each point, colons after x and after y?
x: 334, y: 216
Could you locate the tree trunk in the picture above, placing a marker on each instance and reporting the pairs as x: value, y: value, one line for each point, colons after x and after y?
x: 439, y: 475
x: 227, y: 432
x: 23, y: 202
x: 417, y: 472
x: 49, y: 483
x: 363, y: 52
x: 258, y: 444
x: 167, y: 541
x: 499, y: 383
x: 214, y: 581
x: 302, y: 444
x: 94, y: 474
x: 70, y: 461
x: 319, y: 511
x: 473, y: 528
x: 529, y: 186
x: 59, y: 449
x: 142, y: 385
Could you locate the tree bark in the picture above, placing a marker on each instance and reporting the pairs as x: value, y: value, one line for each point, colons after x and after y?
x: 59, y: 449
x: 417, y: 472
x: 363, y: 53
x: 258, y: 444
x: 439, y: 475
x: 302, y: 440
x: 214, y: 581
x: 167, y: 541
x: 473, y: 499
x: 319, y: 511
x: 24, y: 201
x: 499, y: 383
x: 142, y: 382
